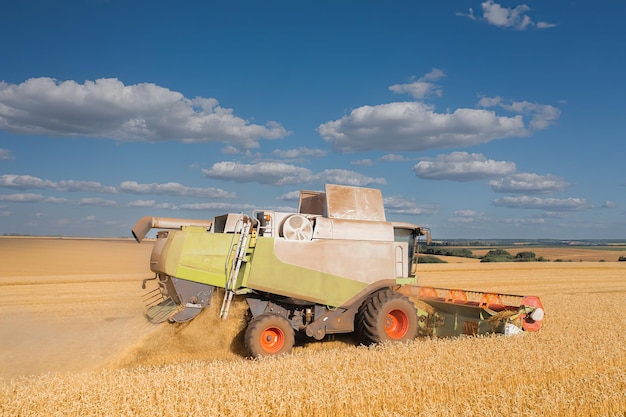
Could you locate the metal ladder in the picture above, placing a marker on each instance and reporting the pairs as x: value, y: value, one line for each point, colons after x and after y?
x: 240, y: 255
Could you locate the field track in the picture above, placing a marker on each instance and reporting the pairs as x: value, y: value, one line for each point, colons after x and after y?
x: 73, y: 337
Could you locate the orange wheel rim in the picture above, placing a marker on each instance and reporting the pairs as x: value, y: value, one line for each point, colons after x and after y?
x: 396, y: 324
x: 272, y: 339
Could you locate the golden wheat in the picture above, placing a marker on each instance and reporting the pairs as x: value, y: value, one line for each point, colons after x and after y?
x: 574, y: 367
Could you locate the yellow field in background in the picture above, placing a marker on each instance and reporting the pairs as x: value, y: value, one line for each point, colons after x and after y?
x: 73, y: 342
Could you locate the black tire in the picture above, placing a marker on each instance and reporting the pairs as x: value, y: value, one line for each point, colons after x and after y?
x: 387, y: 316
x: 269, y: 334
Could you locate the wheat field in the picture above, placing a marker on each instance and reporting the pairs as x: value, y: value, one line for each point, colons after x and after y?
x: 575, y: 366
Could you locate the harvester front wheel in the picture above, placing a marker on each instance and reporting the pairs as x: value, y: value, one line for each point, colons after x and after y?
x: 387, y: 316
x: 269, y: 334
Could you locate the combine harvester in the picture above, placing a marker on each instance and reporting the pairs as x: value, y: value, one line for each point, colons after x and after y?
x: 335, y: 266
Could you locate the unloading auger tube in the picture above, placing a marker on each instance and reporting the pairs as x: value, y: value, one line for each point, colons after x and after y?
x: 145, y: 224
x: 335, y: 266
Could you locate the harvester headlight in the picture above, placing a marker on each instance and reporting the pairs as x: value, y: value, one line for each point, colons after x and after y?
x: 537, y: 315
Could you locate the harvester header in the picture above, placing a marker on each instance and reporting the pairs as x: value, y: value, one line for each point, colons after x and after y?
x: 335, y: 266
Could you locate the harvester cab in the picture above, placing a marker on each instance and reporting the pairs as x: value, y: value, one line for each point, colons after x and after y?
x: 335, y: 266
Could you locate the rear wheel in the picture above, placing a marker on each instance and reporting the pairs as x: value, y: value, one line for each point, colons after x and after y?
x: 387, y: 316
x: 269, y: 334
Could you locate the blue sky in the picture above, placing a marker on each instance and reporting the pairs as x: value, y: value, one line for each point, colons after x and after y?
x: 476, y: 119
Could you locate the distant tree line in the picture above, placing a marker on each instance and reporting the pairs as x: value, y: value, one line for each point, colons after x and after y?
x: 430, y: 259
x: 465, y: 243
x: 501, y: 255
x: 428, y: 254
x: 447, y: 251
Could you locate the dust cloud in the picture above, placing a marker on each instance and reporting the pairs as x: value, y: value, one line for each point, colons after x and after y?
x: 207, y: 337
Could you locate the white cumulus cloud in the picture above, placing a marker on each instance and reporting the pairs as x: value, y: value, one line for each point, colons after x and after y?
x: 277, y: 173
x: 22, y: 198
x: 529, y: 183
x: 346, y: 177
x: 142, y: 203
x: 26, y: 182
x: 422, y: 87
x: 541, y: 115
x: 302, y: 152
x: 94, y: 201
x: 508, y: 17
x: 290, y: 196
x: 462, y: 166
x: 174, y: 188
x: 58, y: 200
x: 84, y: 186
x: 219, y: 206
x: 497, y: 15
x: 527, y: 202
x: 415, y: 126
x: 402, y: 205
x: 108, y: 108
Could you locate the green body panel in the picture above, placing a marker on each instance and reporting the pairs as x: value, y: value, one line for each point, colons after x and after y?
x: 196, y: 256
x: 203, y: 257
x: 407, y: 281
x: 268, y: 273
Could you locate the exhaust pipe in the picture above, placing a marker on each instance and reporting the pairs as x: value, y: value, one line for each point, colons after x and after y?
x: 143, y: 226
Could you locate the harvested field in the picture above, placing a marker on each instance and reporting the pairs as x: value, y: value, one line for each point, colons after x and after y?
x: 73, y: 342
